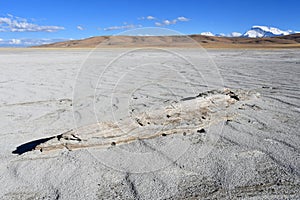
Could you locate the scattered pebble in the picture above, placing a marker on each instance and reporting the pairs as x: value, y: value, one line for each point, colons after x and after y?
x: 202, y: 130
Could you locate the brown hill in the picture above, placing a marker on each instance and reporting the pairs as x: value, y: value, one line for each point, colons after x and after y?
x: 289, y: 41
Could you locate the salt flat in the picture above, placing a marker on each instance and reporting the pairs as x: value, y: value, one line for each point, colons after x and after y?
x: 241, y: 142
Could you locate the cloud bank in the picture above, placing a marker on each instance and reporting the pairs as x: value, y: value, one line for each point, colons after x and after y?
x: 11, y: 23
x: 165, y: 22
x: 22, y: 42
x: 130, y: 26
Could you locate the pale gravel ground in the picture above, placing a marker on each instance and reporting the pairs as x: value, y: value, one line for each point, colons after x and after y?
x: 257, y: 156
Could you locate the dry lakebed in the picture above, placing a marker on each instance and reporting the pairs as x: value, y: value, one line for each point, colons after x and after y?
x: 149, y: 124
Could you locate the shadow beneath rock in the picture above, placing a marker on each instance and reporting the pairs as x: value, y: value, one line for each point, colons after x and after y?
x: 29, y: 146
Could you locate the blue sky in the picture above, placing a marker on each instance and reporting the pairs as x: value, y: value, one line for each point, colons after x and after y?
x: 38, y: 21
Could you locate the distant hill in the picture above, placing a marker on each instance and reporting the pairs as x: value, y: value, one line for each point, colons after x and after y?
x: 286, y: 41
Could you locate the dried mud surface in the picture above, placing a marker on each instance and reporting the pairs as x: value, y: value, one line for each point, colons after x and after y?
x: 254, y: 156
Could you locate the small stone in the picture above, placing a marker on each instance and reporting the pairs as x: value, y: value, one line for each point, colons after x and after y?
x: 202, y: 130
x: 163, y: 134
x: 227, y: 121
x: 113, y: 144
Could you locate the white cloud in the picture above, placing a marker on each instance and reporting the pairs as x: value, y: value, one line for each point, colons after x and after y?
x: 150, y: 17
x: 28, y: 42
x: 80, y: 28
x: 183, y: 19
x: 15, y: 41
x: 10, y: 15
x: 165, y: 22
x: 147, y: 35
x: 168, y: 22
x: 17, y: 24
x: 130, y: 26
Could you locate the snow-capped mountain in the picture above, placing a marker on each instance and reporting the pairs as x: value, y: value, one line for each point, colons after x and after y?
x: 233, y: 34
x: 264, y: 31
x: 254, y: 32
x: 207, y: 34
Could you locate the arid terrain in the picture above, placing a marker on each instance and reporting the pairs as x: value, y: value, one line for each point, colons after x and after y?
x: 289, y: 41
x: 150, y: 123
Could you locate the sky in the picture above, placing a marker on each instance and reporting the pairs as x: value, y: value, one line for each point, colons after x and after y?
x: 31, y: 22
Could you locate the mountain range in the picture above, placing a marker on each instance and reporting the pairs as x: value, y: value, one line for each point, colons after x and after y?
x: 286, y: 41
x: 255, y: 32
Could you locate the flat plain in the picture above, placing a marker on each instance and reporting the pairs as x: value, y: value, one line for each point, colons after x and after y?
x: 237, y: 134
